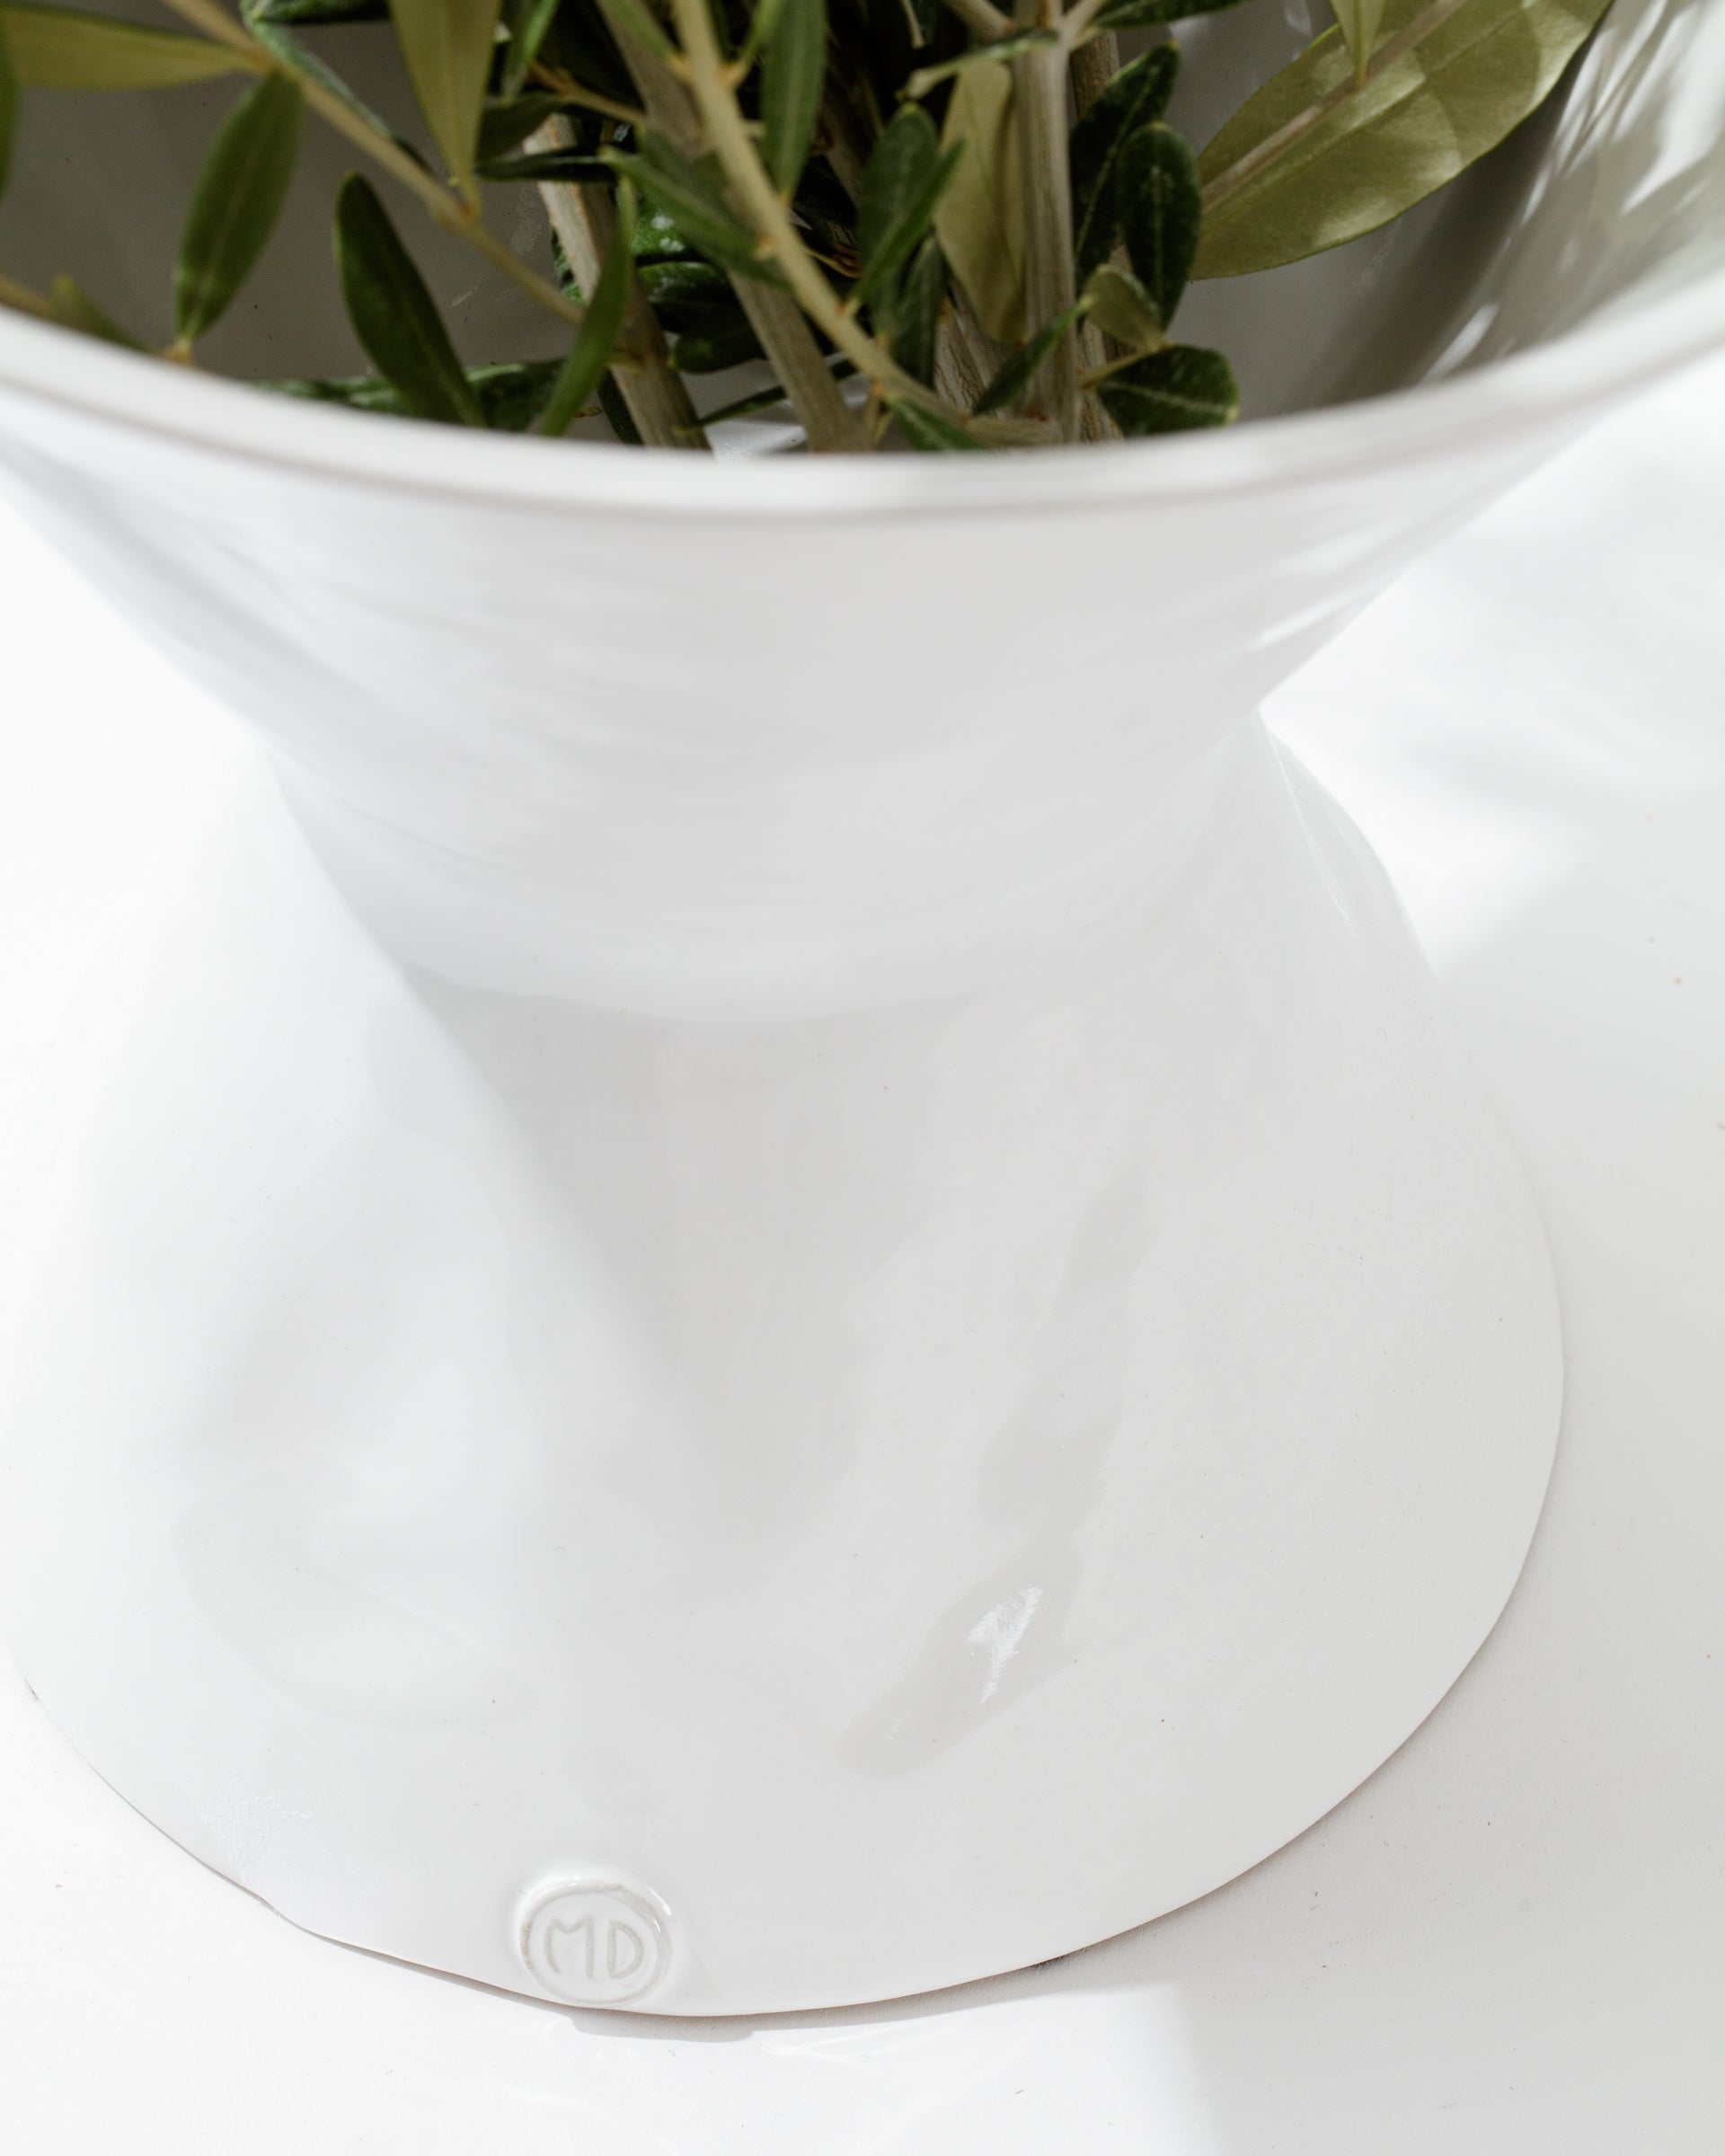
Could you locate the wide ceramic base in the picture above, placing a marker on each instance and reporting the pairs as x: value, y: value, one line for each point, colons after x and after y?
x: 724, y: 1519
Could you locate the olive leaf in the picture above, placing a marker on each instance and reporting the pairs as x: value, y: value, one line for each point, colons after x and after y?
x: 238, y: 196
x: 998, y: 48
x: 685, y: 295
x: 597, y: 338
x: 906, y: 174
x: 60, y: 48
x: 511, y: 393
x: 1312, y: 161
x: 720, y: 340
x: 1137, y: 96
x: 1018, y: 373
x: 310, y: 14
x: 980, y: 221
x: 528, y: 22
x: 1358, y: 22
x: 1148, y: 15
x: 931, y: 431
x: 1180, y: 387
x: 544, y: 164
x: 73, y: 309
x: 445, y: 46
x: 1120, y: 307
x: 505, y: 127
x: 692, y: 196
x: 284, y: 46
x: 1160, y: 209
x: 394, y: 315
x: 917, y: 318
x: 793, y: 77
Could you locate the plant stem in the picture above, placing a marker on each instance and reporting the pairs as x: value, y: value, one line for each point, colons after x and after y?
x: 1094, y: 66
x: 1040, y: 104
x: 451, y: 209
x: 983, y: 18
x: 564, y: 85
x: 1245, y: 169
x: 784, y: 335
x: 585, y: 221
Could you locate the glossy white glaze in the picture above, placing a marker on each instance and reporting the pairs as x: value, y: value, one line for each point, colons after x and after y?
x: 802, y: 1274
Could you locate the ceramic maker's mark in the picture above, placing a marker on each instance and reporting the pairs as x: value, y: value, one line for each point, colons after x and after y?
x: 594, y: 1943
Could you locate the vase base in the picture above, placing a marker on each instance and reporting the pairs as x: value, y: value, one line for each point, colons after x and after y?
x: 710, y: 1519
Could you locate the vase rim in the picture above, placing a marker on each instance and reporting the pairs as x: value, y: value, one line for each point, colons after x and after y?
x: 1563, y: 382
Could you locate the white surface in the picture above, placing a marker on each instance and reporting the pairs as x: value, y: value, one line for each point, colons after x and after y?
x: 1508, y: 1941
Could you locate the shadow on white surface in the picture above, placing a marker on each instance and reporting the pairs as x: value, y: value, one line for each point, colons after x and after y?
x: 1506, y: 1944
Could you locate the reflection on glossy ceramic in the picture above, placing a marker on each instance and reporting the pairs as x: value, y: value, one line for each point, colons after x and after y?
x: 786, y: 1238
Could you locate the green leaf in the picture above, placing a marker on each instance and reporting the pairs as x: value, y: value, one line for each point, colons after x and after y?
x: 240, y: 190
x: 1369, y: 155
x: 998, y: 48
x: 685, y: 294
x: 720, y: 340
x: 792, y: 79
x: 1145, y: 14
x: 917, y: 316
x: 511, y: 394
x: 286, y: 48
x: 1160, y: 210
x: 597, y: 338
x: 1025, y: 364
x: 1358, y: 22
x: 528, y: 21
x: 446, y: 46
x: 980, y: 221
x: 633, y: 19
x: 761, y: 26
x: 312, y: 14
x: 8, y: 105
x: 73, y: 309
x: 692, y: 195
x: 59, y: 49
x: 1120, y: 307
x: 931, y: 431
x: 1180, y: 387
x: 394, y: 315
x: 906, y: 174
x: 1137, y: 96
x: 544, y: 164
x: 506, y: 126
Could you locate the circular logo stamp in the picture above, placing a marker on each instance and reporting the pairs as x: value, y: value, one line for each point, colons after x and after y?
x: 593, y: 1942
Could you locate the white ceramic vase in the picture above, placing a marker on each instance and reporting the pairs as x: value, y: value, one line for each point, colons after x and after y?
x: 780, y: 1287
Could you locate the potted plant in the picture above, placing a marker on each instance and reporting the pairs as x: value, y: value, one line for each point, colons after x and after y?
x: 775, y: 1284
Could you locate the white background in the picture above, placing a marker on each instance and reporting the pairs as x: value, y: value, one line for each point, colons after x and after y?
x: 1511, y: 1938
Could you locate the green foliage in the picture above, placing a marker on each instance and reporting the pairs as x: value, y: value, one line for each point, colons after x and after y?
x: 1478, y: 69
x: 446, y: 48
x: 234, y: 205
x: 931, y: 432
x: 792, y: 82
x: 392, y: 313
x: 902, y: 186
x: 73, y: 309
x: 1016, y: 375
x: 1137, y: 98
x: 62, y: 49
x: 597, y: 338
x: 1159, y: 211
x: 691, y: 197
x: 896, y: 182
x: 1181, y: 387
